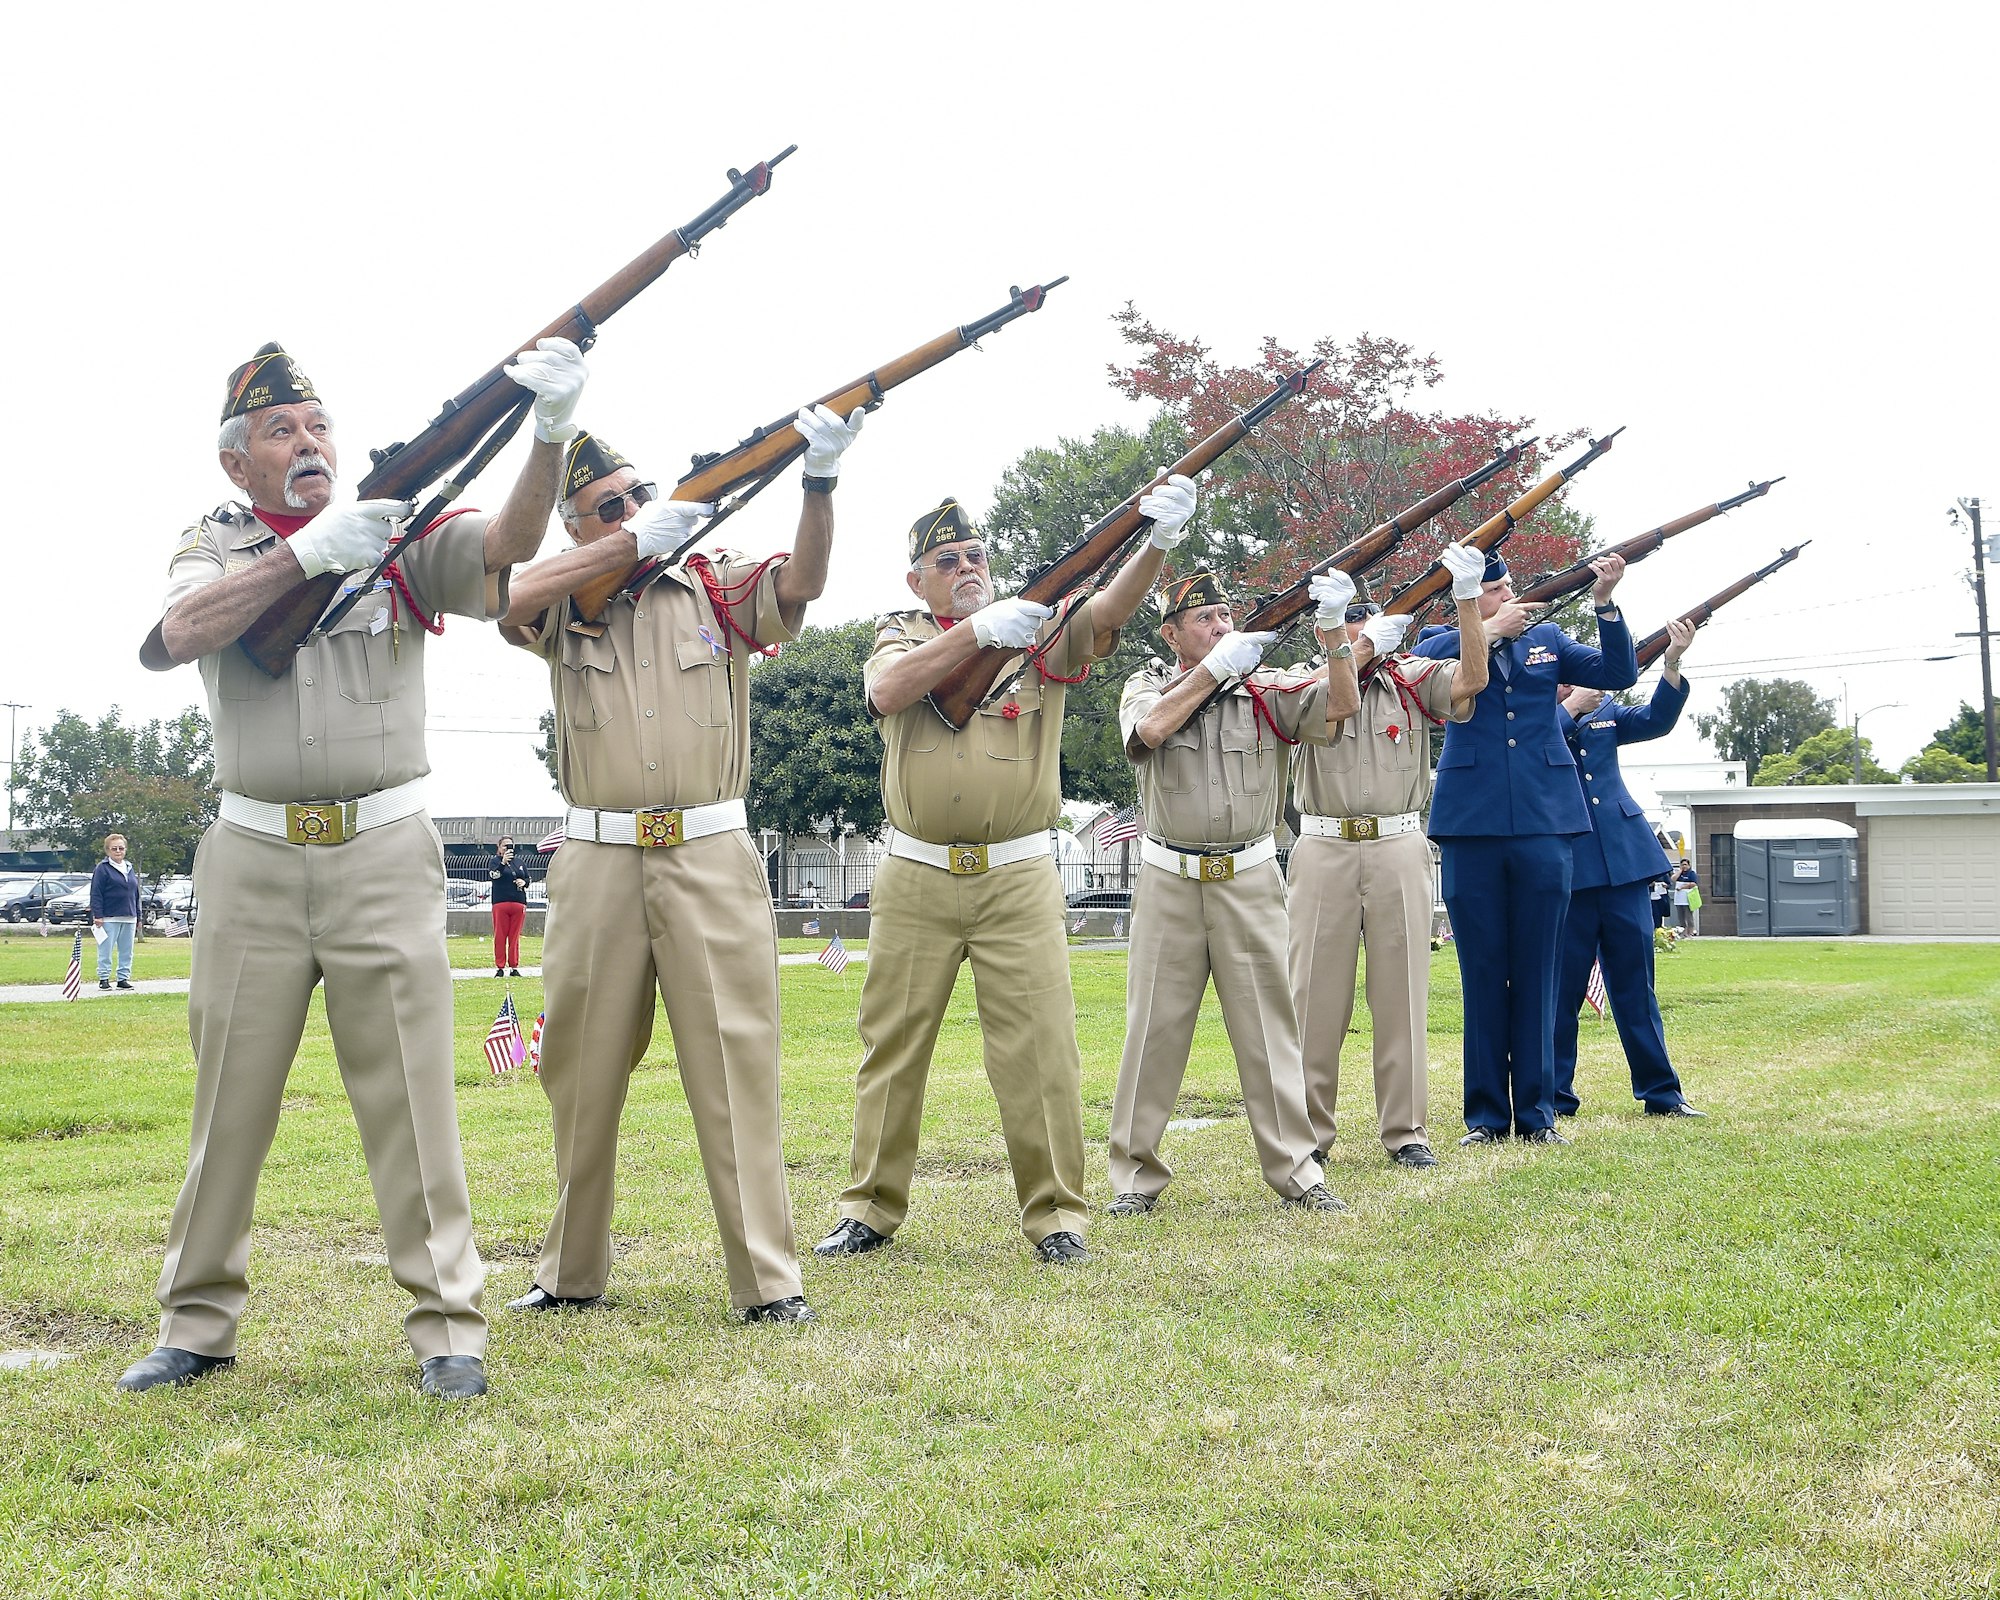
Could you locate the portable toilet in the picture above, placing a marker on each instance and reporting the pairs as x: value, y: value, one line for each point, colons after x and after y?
x: 1797, y: 875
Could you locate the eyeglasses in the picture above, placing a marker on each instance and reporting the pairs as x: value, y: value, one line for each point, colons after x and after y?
x: 1361, y: 611
x: 613, y: 509
x: 948, y: 560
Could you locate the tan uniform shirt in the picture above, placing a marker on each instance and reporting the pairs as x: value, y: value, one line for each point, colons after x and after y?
x: 998, y: 777
x: 1378, y: 763
x: 1219, y: 777
x: 653, y: 706
x: 348, y: 717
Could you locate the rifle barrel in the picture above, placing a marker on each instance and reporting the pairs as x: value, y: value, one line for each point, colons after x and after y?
x: 1553, y: 586
x: 1654, y: 645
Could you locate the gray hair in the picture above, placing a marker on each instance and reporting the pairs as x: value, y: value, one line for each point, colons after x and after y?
x: 235, y: 435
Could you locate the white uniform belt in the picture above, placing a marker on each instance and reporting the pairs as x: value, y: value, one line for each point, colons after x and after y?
x: 1311, y: 827
x: 964, y: 859
x: 1209, y: 866
x: 655, y: 828
x: 324, y: 821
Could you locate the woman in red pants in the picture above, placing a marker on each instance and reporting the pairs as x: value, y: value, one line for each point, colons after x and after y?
x: 510, y: 910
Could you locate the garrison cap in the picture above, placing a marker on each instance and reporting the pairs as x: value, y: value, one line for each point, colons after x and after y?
x: 269, y: 378
x: 1496, y: 567
x: 588, y: 459
x: 1185, y: 594
x: 945, y: 523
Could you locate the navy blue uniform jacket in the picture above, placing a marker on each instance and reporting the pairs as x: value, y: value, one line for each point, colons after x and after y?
x: 1620, y: 848
x: 1508, y: 771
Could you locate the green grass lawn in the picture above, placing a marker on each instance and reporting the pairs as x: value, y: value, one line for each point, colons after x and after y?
x: 29, y: 958
x: 1752, y: 1356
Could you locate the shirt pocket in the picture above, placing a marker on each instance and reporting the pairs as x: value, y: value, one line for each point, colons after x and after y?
x: 1249, y: 763
x: 704, y: 676
x: 1397, y: 751
x: 1010, y: 728
x: 1177, y: 759
x: 361, y: 656
x: 587, y: 665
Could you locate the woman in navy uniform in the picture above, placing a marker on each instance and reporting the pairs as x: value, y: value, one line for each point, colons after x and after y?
x: 1507, y: 797
x: 1613, y: 870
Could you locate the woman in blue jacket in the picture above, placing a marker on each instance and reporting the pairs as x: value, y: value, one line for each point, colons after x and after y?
x: 114, y: 907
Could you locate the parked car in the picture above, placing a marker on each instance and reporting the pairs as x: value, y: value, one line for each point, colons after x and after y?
x: 168, y: 895
x: 466, y: 894
x: 71, y: 907
x: 858, y: 901
x: 26, y: 899
x: 1101, y: 900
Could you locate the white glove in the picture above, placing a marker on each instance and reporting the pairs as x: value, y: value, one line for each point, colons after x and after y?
x: 554, y: 369
x: 827, y: 437
x: 347, y: 538
x: 1236, y: 655
x: 1170, y: 506
x: 663, y: 526
x: 1467, y: 567
x: 1333, y: 592
x: 1385, y: 631
x: 1011, y: 624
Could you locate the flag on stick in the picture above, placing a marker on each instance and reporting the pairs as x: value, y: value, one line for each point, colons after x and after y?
x: 1593, y: 991
x: 834, y: 956
x: 1121, y: 829
x: 73, y: 979
x: 1077, y: 926
x: 504, y: 1046
x: 535, y: 1044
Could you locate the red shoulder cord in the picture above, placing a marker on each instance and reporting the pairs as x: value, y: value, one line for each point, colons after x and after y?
x: 726, y: 597
x: 1036, y: 652
x: 1263, y: 712
x: 1406, y: 691
x: 402, y: 587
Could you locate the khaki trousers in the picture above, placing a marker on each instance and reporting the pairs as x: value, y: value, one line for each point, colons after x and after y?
x: 1183, y: 933
x: 692, y: 922
x: 926, y: 923
x: 276, y: 918
x: 1342, y: 891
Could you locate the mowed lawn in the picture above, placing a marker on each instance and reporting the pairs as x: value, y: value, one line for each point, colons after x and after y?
x: 1752, y: 1356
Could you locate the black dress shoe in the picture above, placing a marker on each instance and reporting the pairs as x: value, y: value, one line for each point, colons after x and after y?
x: 850, y: 1237
x: 792, y: 1308
x: 168, y: 1365
x: 123, y: 984
x: 1314, y: 1199
x: 1131, y: 1205
x: 1061, y: 1248
x: 1543, y: 1136
x: 452, y: 1377
x: 1415, y: 1154
x: 1481, y: 1136
x: 1320, y: 1157
x: 539, y: 1299
x: 513, y: 972
x: 1680, y: 1108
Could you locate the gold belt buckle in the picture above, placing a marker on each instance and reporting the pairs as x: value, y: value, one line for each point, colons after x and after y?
x: 331, y: 823
x: 1364, y: 827
x: 1215, y: 869
x: 657, y: 828
x: 965, y: 859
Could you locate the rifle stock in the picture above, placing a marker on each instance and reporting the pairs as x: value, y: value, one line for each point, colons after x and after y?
x: 402, y: 471
x: 957, y: 695
x: 1654, y: 645
x: 764, y: 453
x: 1577, y: 575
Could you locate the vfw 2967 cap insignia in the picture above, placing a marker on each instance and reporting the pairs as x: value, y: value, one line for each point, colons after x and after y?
x: 269, y: 378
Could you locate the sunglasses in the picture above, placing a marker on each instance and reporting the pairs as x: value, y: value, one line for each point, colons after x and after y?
x: 613, y: 509
x: 947, y: 563
x: 1361, y: 611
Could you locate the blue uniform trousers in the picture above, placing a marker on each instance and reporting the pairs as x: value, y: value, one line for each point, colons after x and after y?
x: 1614, y: 926
x: 1507, y: 896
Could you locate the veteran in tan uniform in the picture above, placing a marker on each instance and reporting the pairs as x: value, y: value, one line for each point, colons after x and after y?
x: 1210, y: 901
x: 324, y: 864
x: 1361, y: 869
x: 970, y: 875
x: 657, y: 888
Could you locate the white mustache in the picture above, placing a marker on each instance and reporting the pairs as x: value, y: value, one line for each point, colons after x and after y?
x: 312, y: 463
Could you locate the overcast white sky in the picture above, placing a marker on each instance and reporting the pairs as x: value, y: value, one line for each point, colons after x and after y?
x: 1761, y: 236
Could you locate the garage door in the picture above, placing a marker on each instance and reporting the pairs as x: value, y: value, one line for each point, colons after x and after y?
x: 1934, y: 875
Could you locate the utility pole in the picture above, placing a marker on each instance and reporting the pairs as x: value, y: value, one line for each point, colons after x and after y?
x: 14, y: 750
x: 1985, y: 635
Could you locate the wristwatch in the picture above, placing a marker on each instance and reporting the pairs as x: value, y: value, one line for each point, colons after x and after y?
x: 818, y: 485
x: 1342, y: 651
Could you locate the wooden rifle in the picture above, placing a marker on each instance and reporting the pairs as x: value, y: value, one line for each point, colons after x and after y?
x: 961, y: 691
x: 1654, y: 645
x: 452, y: 440
x: 732, y: 478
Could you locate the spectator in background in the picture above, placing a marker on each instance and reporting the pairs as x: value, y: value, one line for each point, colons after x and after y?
x: 114, y: 910
x: 1662, y: 888
x: 1687, y: 897
x: 510, y: 910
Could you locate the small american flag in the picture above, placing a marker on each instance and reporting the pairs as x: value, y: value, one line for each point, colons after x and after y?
x: 1117, y: 927
x: 551, y: 842
x: 504, y: 1046
x: 1593, y: 991
x: 73, y: 979
x: 535, y: 1044
x: 1121, y: 829
x: 834, y: 956
x: 1077, y: 926
x: 810, y: 930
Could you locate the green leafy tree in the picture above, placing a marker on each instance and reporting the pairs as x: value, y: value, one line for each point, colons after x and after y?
x: 814, y: 749
x: 545, y: 749
x: 1826, y: 757
x: 1759, y: 717
x: 1936, y: 764
x: 154, y: 783
x: 1965, y: 736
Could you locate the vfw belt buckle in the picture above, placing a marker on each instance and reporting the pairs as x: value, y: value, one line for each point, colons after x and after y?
x: 328, y: 824
x: 659, y: 828
x: 965, y: 859
x: 1365, y: 827
x: 1217, y: 869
